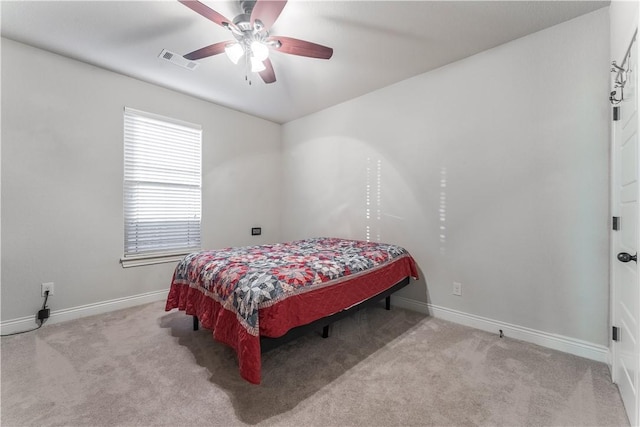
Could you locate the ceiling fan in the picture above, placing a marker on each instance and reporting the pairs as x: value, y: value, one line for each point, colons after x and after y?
x: 252, y: 40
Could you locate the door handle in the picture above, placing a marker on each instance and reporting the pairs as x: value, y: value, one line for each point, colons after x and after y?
x: 625, y: 257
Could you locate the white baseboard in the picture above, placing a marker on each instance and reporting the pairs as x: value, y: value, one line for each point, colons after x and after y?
x: 545, y: 339
x: 557, y: 342
x: 29, y: 322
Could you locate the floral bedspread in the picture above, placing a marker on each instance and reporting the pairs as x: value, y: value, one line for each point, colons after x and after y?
x: 246, y: 279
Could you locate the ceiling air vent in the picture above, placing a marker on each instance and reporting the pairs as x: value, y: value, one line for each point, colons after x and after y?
x: 178, y: 60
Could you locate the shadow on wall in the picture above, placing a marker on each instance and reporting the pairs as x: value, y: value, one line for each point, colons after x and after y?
x: 360, y: 194
x: 297, y: 370
x: 418, y: 290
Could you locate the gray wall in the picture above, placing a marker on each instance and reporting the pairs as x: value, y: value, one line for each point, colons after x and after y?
x: 492, y: 171
x: 62, y: 155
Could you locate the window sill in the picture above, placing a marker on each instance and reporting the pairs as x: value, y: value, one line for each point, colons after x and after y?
x: 140, y: 260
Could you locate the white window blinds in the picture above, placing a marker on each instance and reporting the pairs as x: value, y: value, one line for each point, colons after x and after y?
x: 162, y: 186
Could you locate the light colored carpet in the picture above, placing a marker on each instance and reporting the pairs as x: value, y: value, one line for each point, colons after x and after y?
x: 142, y: 366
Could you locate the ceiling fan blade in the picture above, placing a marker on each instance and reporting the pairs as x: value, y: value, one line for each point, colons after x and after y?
x: 268, y: 75
x: 302, y: 48
x: 267, y: 11
x: 207, y: 12
x: 207, y: 51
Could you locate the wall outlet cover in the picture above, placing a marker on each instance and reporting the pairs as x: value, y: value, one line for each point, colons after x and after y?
x: 46, y: 287
x: 457, y: 288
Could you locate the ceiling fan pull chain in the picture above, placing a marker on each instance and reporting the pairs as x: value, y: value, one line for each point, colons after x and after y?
x: 246, y: 69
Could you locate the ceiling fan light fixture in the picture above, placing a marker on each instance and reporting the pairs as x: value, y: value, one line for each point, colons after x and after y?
x: 259, y: 50
x: 257, y: 65
x: 234, y: 51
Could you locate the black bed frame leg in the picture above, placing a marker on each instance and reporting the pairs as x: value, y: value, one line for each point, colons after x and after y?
x: 325, y: 332
x: 387, y: 302
x: 195, y: 323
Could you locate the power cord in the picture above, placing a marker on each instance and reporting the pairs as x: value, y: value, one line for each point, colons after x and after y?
x: 43, y: 314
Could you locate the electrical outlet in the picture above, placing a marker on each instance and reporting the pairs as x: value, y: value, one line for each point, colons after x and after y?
x: 457, y: 288
x: 47, y: 287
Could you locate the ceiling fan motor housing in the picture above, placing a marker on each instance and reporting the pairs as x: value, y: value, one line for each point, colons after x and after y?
x: 243, y: 22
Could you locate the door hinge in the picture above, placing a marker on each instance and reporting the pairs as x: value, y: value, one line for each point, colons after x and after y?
x: 616, y: 114
x: 615, y: 224
x: 614, y: 333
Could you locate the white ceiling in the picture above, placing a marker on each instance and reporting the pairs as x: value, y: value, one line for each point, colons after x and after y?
x: 376, y: 43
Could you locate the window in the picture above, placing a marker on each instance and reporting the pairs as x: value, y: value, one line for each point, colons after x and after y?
x: 162, y: 188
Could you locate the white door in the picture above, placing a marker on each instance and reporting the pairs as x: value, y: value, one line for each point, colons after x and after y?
x: 625, y: 276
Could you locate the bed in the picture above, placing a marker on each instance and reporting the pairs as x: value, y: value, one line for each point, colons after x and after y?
x: 266, y: 292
